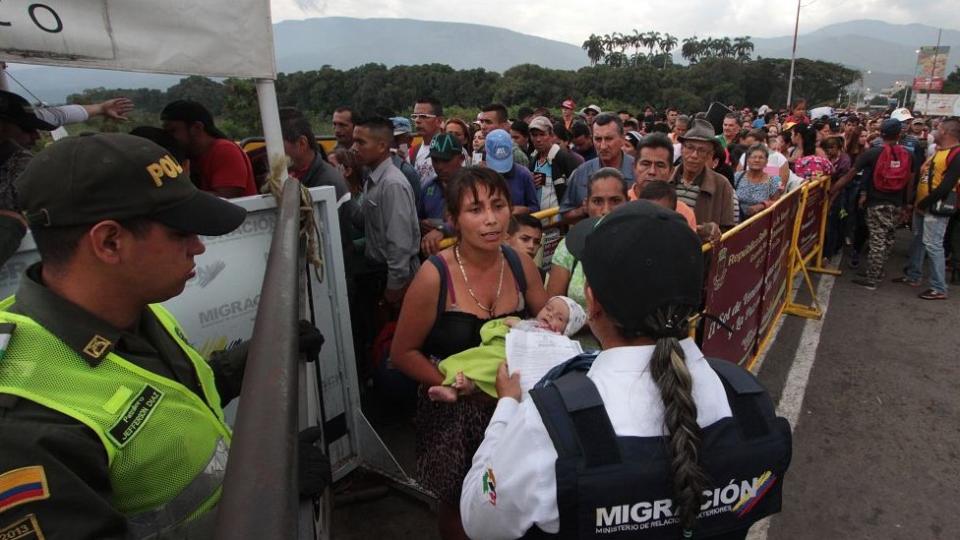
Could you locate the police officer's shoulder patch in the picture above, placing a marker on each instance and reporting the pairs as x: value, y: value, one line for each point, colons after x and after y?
x: 25, y: 528
x: 489, y: 486
x: 21, y: 486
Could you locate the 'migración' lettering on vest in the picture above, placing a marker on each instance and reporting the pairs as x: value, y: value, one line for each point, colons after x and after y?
x: 737, y: 496
x: 136, y: 416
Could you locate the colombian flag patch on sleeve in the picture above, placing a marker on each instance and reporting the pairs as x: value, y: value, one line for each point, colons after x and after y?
x: 23, y: 485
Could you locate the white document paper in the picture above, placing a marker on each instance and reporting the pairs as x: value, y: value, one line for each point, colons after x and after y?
x: 533, y: 354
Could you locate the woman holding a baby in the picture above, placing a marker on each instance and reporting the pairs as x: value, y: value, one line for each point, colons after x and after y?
x: 461, y: 289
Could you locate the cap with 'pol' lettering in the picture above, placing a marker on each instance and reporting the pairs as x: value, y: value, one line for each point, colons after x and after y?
x: 91, y: 178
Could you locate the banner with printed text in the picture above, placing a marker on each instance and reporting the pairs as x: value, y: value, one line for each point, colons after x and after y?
x: 931, y: 68
x: 775, y: 286
x: 216, y: 38
x: 938, y: 104
x: 735, y: 280
x: 811, y: 221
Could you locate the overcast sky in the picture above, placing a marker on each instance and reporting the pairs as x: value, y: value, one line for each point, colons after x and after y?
x: 573, y: 20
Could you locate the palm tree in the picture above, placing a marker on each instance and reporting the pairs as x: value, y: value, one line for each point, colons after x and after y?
x: 690, y: 50
x: 725, y: 48
x: 743, y: 47
x: 594, y: 48
x: 636, y: 40
x: 708, y: 48
x: 653, y: 40
x: 668, y: 43
x: 621, y: 41
x: 609, y: 43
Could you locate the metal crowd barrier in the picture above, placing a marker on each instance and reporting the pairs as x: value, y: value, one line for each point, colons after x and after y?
x: 752, y: 269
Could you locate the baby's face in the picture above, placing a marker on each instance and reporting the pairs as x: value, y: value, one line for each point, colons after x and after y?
x: 554, y: 315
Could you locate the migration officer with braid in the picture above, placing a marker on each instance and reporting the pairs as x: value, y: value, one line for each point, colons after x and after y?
x: 651, y: 441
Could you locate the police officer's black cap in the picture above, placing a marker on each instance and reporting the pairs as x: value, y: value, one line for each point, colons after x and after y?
x: 91, y: 178
x: 17, y: 111
x: 637, y: 259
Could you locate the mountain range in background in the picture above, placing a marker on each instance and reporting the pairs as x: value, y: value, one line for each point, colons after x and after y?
x: 887, y: 50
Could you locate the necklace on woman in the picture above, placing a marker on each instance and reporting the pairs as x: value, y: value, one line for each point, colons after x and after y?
x: 493, y: 306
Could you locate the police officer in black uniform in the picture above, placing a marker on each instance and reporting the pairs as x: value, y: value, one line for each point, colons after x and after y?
x: 654, y: 440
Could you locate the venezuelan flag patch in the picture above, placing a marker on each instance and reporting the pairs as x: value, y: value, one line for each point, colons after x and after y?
x: 23, y: 485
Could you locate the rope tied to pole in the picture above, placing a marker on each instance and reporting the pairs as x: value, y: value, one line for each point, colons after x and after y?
x: 309, y: 230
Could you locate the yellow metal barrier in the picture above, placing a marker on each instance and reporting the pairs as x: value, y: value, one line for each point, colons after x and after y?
x: 802, y: 263
x: 797, y: 262
x: 541, y: 215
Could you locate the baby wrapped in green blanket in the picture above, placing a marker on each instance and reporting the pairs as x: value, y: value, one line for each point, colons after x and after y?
x: 477, y: 367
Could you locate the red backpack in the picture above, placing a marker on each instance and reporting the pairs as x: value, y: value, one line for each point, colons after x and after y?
x: 893, y: 169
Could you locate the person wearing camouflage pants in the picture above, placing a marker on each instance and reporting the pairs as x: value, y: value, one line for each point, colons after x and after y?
x: 882, y: 222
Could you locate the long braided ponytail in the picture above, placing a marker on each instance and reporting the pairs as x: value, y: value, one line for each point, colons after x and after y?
x: 669, y: 370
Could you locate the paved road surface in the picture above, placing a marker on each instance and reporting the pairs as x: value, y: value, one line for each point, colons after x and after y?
x: 877, y: 442
x: 874, y: 389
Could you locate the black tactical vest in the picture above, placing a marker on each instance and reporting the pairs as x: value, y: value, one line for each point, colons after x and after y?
x: 611, y: 487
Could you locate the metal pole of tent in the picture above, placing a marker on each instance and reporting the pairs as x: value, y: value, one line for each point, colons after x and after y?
x: 793, y: 57
x: 933, y: 69
x: 270, y: 118
x: 272, y: 134
x: 260, y: 491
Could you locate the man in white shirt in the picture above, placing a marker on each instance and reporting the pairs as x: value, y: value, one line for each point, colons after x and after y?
x: 428, y: 118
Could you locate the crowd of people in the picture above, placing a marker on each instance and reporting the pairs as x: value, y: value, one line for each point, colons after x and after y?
x: 638, y: 193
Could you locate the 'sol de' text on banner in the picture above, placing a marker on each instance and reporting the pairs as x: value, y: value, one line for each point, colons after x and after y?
x: 735, y: 282
x: 220, y: 38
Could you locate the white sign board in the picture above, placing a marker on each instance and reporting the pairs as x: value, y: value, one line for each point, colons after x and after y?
x: 938, y: 104
x: 217, y: 38
x: 219, y: 306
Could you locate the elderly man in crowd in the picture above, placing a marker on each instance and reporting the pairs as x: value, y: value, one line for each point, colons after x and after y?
x: 709, y: 194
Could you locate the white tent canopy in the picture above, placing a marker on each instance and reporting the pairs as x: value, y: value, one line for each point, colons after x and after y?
x: 217, y: 38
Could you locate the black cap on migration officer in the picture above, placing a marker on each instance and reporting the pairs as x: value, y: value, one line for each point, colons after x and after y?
x: 91, y: 178
x: 639, y: 259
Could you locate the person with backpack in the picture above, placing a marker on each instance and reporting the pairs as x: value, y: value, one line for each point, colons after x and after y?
x: 936, y: 203
x: 889, y: 170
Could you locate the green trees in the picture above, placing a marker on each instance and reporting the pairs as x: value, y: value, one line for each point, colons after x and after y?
x: 628, y: 76
x: 952, y: 84
x: 622, y: 50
